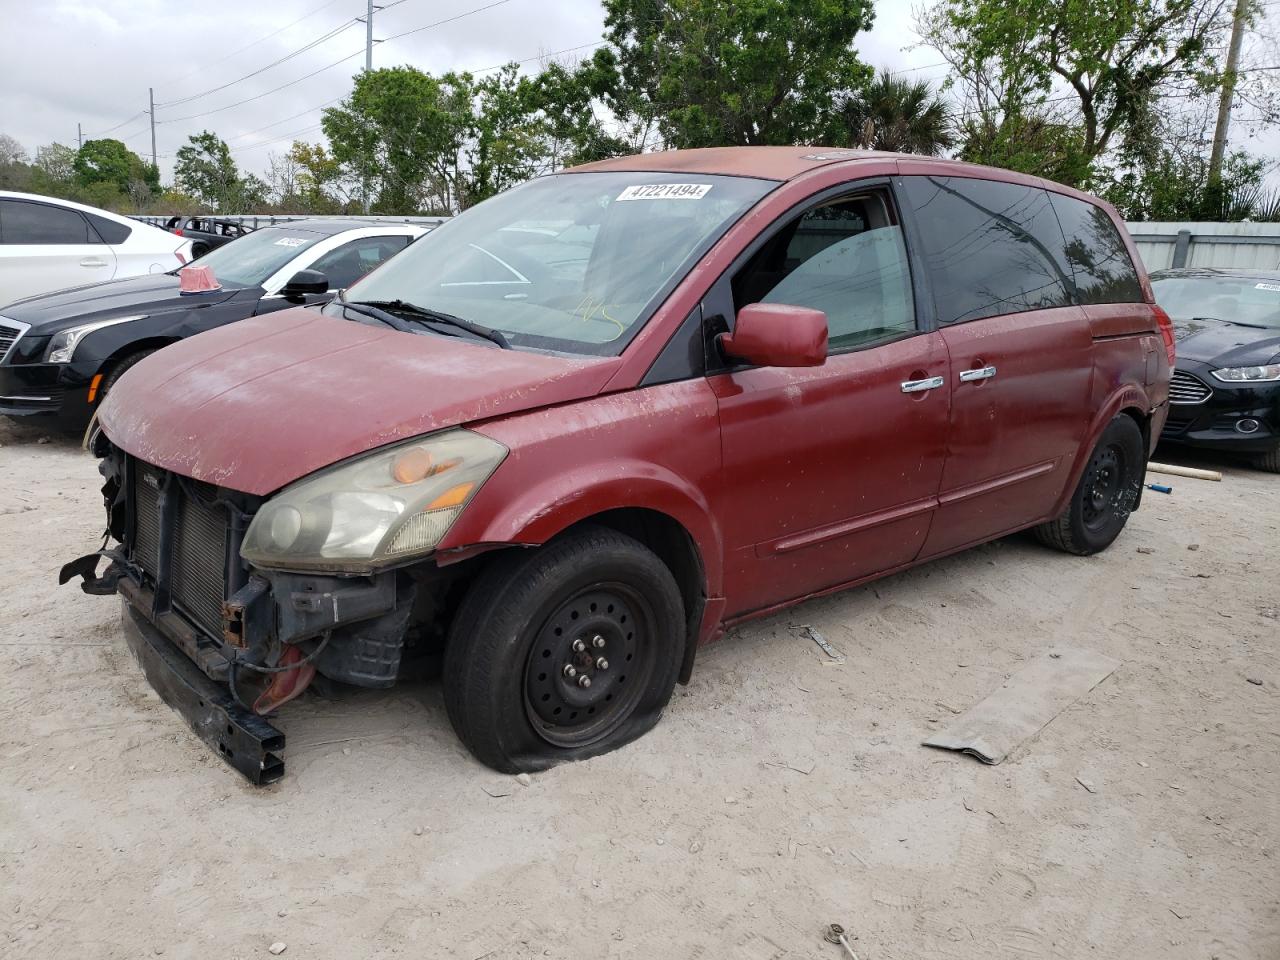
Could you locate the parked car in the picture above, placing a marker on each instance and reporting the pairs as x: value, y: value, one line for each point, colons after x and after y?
x: 61, y: 353
x: 206, y: 233
x: 48, y: 244
x: 1225, y: 393
x: 732, y: 380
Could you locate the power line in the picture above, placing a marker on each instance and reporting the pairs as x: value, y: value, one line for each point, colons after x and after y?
x: 439, y: 23
x: 323, y: 38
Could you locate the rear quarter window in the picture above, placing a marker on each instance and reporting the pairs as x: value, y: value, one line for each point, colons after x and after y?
x: 989, y: 248
x: 109, y: 230
x: 1103, y: 270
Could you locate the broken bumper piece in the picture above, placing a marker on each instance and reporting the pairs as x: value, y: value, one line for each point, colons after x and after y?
x: 243, y: 739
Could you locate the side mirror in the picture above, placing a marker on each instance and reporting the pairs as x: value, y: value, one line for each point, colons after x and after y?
x: 778, y: 335
x: 305, y: 282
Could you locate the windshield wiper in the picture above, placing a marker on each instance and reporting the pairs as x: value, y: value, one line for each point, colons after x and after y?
x: 368, y: 310
x: 426, y: 314
x: 1234, y: 323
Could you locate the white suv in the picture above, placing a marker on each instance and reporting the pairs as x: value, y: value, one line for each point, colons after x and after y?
x: 48, y: 244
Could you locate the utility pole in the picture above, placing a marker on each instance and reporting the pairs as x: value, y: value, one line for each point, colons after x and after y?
x: 368, y: 37
x: 79, y: 137
x: 151, y: 96
x: 1228, y: 91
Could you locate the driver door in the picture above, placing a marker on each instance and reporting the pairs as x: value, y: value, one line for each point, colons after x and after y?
x: 831, y: 473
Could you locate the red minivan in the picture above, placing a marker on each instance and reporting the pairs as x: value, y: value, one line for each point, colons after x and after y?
x: 583, y: 428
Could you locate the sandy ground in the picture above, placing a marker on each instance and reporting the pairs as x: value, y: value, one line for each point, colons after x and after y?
x: 778, y: 794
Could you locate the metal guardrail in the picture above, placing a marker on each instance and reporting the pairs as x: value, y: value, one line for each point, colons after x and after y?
x: 1249, y: 246
x: 255, y: 220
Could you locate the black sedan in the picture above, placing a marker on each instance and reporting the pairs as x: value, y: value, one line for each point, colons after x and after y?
x: 61, y: 352
x: 206, y: 233
x: 1225, y: 393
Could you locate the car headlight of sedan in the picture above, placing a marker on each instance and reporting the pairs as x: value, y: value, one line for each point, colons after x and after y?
x: 63, y: 345
x: 376, y: 510
x: 1265, y: 373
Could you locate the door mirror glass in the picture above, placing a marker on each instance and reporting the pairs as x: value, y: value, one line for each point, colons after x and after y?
x: 778, y: 335
x: 305, y: 282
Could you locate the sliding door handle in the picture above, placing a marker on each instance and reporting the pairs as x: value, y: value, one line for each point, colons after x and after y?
x: 984, y: 373
x: 919, y: 386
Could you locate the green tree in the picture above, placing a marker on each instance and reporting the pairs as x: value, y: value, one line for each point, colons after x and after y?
x: 108, y: 161
x: 750, y: 72
x: 895, y: 113
x: 319, y: 180
x: 55, y: 166
x: 567, y: 100
x: 401, y: 135
x: 205, y: 169
x: 1112, y: 63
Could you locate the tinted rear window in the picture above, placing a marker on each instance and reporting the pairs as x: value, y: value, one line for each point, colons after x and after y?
x: 1097, y: 254
x: 990, y: 248
x: 109, y: 230
x: 24, y: 222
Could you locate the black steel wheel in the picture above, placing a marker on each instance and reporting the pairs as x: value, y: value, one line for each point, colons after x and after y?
x: 1105, y: 495
x: 564, y: 652
x: 589, y: 665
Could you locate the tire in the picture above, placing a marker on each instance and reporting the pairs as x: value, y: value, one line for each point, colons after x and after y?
x: 117, y: 371
x: 1269, y: 462
x: 1104, y: 498
x: 506, y: 683
x: 198, y: 250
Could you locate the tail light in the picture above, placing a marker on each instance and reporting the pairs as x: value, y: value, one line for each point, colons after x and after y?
x: 177, y: 231
x: 1166, y: 331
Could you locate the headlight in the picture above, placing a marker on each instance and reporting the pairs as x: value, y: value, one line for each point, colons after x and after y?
x: 1263, y: 374
x: 377, y: 510
x: 63, y: 345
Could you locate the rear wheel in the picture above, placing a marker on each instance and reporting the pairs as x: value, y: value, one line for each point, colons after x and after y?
x: 1104, y: 498
x: 565, y: 652
x: 1269, y: 461
x: 199, y: 250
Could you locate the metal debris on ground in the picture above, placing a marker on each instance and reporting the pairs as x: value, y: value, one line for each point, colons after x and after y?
x: 835, y: 655
x: 835, y: 934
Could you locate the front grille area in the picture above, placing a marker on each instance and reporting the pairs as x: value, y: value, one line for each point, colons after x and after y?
x: 8, y: 336
x: 1184, y: 388
x: 198, y: 556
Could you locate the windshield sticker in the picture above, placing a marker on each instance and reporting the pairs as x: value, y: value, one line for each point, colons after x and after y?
x: 1267, y: 286
x: 291, y: 241
x: 666, y: 191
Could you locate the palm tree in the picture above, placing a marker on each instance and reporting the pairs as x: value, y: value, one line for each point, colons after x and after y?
x: 897, y: 114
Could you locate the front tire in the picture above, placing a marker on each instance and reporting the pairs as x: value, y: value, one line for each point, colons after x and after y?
x: 117, y: 371
x: 1269, y: 462
x: 1104, y: 498
x: 564, y: 652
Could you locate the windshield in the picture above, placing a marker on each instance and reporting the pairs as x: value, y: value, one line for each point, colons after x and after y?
x: 248, y: 261
x: 572, y: 262
x: 1246, y: 300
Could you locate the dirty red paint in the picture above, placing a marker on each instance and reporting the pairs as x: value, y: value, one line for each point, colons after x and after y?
x: 784, y: 492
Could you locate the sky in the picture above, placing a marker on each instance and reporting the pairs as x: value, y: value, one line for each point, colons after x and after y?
x: 64, y: 62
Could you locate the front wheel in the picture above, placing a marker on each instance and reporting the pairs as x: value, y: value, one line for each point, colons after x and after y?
x: 1104, y: 498
x: 564, y: 652
x: 1269, y: 461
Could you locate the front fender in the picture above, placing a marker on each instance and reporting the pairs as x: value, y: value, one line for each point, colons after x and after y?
x: 653, y: 449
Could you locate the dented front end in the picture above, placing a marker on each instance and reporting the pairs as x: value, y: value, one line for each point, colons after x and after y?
x: 225, y: 643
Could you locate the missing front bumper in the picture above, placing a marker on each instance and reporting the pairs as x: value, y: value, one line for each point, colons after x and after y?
x: 243, y: 739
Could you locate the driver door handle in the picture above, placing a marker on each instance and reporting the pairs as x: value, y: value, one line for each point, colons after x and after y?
x: 919, y: 386
x: 93, y: 262
x: 983, y: 373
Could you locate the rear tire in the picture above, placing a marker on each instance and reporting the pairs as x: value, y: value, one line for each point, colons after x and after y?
x: 198, y: 250
x: 1269, y: 462
x: 117, y: 371
x: 513, y: 674
x: 1104, y: 498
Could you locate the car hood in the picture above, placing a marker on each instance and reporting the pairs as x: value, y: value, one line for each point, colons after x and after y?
x: 153, y: 293
x: 1225, y: 344
x: 255, y: 405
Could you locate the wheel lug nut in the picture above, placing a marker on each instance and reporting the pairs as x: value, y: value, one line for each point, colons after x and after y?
x: 569, y: 671
x: 602, y: 664
x: 597, y: 641
x: 584, y: 681
x: 579, y: 646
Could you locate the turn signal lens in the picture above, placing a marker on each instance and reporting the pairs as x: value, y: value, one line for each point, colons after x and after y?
x: 451, y: 498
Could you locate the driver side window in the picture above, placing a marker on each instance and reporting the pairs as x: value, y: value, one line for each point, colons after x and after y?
x: 346, y: 264
x: 846, y: 258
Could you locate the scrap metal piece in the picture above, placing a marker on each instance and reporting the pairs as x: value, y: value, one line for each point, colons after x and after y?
x: 1024, y: 704
x: 827, y: 648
